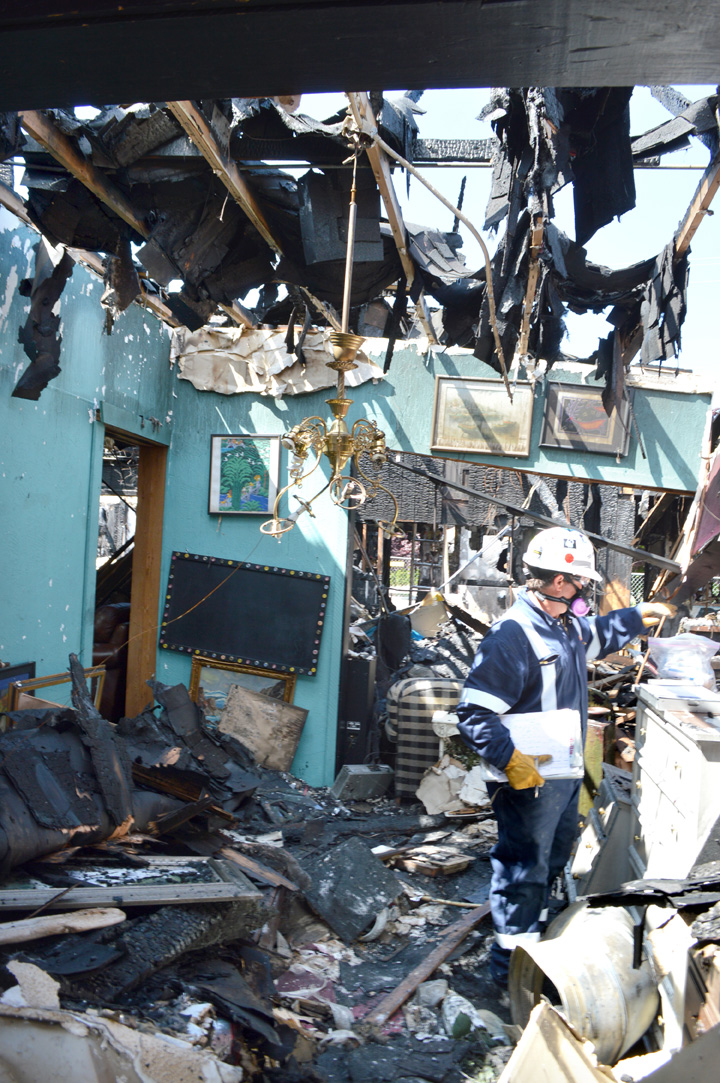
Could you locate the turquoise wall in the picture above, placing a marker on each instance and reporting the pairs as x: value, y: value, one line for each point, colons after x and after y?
x: 50, y: 478
x: 671, y: 422
x: 51, y: 454
x: 315, y: 545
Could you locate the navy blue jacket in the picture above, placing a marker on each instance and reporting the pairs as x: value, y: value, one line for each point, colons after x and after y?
x: 529, y: 661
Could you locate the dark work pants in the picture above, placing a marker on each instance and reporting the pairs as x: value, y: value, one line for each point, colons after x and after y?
x: 535, y: 839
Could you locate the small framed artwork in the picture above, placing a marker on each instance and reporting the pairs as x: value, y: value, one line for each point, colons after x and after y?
x: 8, y: 675
x: 479, y: 416
x: 244, y: 473
x: 211, y: 681
x: 22, y: 691
x: 575, y: 418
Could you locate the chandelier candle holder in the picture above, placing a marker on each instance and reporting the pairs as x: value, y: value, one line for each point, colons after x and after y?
x: 313, y: 438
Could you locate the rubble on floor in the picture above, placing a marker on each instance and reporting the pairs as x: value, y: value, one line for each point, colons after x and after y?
x: 254, y: 923
x: 249, y: 926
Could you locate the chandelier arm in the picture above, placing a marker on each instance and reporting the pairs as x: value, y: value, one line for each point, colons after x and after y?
x: 376, y: 487
x: 372, y: 484
x: 294, y: 483
x: 354, y: 499
x: 312, y: 427
x: 278, y: 498
x: 364, y: 433
x: 298, y: 479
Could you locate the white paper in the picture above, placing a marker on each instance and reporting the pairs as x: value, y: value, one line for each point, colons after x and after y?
x: 553, y: 733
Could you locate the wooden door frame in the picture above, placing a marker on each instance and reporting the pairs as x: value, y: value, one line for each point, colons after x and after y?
x: 147, y: 559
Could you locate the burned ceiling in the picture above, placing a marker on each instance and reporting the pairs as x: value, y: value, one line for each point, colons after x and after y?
x: 196, y: 193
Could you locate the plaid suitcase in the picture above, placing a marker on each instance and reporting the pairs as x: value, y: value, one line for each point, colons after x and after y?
x: 411, y: 704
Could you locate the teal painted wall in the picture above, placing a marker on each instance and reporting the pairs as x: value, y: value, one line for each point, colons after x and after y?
x: 315, y: 545
x: 672, y: 423
x: 50, y: 478
x: 51, y: 455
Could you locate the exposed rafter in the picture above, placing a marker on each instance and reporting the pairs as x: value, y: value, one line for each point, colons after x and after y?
x: 363, y: 114
x: 12, y: 202
x: 57, y: 144
x: 699, y: 206
x: 225, y: 169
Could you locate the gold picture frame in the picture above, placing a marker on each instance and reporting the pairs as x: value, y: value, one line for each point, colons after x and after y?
x: 22, y: 692
x: 211, y: 680
x: 477, y: 415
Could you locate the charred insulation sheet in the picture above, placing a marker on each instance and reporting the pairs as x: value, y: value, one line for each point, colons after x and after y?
x: 194, y: 230
x: 40, y: 337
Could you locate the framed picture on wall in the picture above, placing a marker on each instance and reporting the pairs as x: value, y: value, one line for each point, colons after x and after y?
x: 243, y: 474
x: 211, y: 680
x: 479, y: 416
x: 575, y: 418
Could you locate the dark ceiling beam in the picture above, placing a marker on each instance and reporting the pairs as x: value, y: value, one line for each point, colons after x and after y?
x: 64, y: 53
x: 201, y: 134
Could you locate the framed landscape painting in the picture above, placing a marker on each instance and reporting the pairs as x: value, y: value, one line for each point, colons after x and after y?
x: 243, y: 474
x: 211, y: 680
x: 479, y: 416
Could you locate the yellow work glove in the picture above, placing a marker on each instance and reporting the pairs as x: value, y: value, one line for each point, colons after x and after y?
x: 522, y: 771
x: 652, y: 612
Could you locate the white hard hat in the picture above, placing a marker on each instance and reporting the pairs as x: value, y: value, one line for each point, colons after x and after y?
x: 560, y: 549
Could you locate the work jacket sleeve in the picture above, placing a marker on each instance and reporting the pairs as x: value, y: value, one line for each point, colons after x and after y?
x: 612, y: 631
x: 494, y: 686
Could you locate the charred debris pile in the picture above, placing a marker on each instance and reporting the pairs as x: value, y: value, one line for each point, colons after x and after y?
x: 158, y: 883
x: 165, y: 894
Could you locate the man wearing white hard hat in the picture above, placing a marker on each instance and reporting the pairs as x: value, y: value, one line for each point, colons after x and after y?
x: 534, y: 661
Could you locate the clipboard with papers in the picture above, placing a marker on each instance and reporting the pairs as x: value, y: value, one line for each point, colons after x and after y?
x: 555, y: 733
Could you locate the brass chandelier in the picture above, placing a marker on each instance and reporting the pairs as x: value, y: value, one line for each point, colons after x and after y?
x: 342, y: 447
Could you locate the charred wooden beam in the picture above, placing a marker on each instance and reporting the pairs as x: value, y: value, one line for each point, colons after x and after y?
x: 454, y: 936
x: 62, y: 149
x: 699, y: 207
x: 362, y: 112
x: 202, y: 135
x: 12, y: 202
x: 41, y: 128
x: 444, y: 151
x: 536, y: 240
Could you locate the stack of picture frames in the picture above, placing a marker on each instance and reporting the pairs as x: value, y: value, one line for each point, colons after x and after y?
x: 254, y: 705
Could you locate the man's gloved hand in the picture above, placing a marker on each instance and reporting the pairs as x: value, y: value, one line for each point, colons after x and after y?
x: 652, y: 612
x: 522, y: 771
